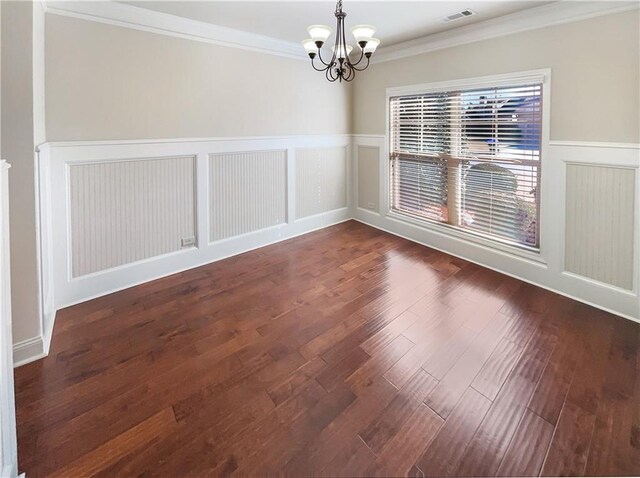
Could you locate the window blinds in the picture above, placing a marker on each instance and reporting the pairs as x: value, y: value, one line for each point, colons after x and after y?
x: 471, y: 159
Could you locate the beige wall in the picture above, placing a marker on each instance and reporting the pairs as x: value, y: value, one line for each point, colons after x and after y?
x: 108, y: 82
x: 18, y: 118
x: 594, y: 76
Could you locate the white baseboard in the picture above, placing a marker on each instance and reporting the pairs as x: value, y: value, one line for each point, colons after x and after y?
x: 413, y: 233
x: 38, y: 347
x: 135, y: 274
x: 50, y: 320
x: 9, y: 471
x: 28, y: 351
x: 33, y: 349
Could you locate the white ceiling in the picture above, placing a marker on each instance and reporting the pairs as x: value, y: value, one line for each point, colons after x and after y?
x: 397, y: 21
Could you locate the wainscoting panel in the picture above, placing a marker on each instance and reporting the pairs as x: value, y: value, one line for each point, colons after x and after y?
x: 247, y: 192
x: 368, y: 177
x: 599, y: 235
x: 126, y: 211
x: 321, y: 180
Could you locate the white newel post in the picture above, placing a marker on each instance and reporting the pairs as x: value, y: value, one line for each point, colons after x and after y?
x: 8, y: 441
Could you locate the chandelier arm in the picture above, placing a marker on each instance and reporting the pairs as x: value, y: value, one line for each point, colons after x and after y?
x: 319, y: 69
x: 330, y: 76
x: 364, y: 67
x: 351, y: 73
x: 359, y: 59
x: 323, y: 62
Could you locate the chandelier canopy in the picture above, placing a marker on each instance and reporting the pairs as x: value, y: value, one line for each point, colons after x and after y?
x: 340, y: 67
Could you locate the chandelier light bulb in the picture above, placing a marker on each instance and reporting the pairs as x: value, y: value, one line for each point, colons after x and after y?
x: 371, y: 46
x: 310, y: 47
x: 319, y: 33
x: 340, y: 52
x: 363, y: 33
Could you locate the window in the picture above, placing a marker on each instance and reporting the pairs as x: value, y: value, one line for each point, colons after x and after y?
x: 470, y: 158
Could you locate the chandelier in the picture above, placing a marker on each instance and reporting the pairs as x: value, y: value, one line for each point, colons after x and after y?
x: 340, y: 67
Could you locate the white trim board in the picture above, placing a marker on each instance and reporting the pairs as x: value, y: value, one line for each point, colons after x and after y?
x: 233, y: 247
x: 487, y: 81
x: 28, y: 351
x: 594, y: 144
x: 216, y: 139
x: 36, y: 348
x: 602, y: 296
x: 374, y: 224
x: 129, y: 16
x: 8, y: 440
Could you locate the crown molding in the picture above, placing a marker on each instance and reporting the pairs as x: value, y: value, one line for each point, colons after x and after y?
x: 129, y: 16
x: 556, y: 13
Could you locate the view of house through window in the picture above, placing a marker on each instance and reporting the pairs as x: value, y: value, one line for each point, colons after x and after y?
x: 470, y: 159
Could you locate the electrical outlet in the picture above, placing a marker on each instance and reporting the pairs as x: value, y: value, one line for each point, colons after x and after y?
x: 188, y: 241
x: 371, y: 205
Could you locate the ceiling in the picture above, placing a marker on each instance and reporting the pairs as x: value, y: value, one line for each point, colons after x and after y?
x: 397, y: 21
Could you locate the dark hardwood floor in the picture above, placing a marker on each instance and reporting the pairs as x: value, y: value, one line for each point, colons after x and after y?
x: 345, y: 352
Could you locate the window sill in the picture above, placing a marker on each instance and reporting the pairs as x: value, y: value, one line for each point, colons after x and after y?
x: 468, y: 237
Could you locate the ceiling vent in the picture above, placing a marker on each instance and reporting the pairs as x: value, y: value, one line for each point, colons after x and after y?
x: 457, y: 16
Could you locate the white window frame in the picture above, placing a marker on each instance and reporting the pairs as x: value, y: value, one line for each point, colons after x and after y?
x: 509, y: 79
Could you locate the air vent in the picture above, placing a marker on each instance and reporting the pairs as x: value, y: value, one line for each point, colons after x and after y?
x: 457, y: 16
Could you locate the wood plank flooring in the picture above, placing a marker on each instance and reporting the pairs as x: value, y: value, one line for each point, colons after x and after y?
x: 345, y: 352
